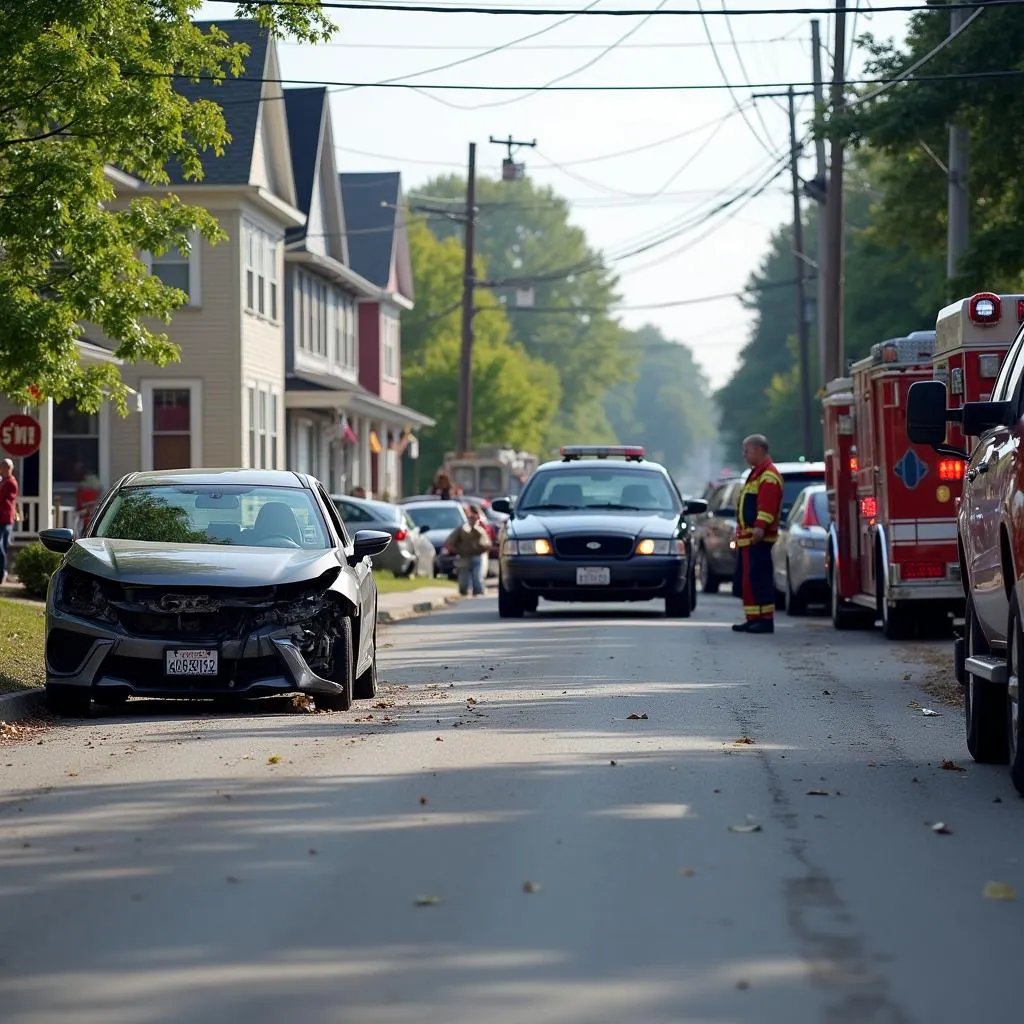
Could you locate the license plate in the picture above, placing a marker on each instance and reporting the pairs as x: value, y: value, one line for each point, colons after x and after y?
x: 190, y: 663
x: 591, y: 577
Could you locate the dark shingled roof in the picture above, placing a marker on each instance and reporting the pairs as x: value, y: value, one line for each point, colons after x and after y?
x: 304, y: 109
x: 240, y: 101
x: 370, y: 202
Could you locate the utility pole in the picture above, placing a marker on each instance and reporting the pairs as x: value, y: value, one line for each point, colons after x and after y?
x: 835, y: 362
x: 800, y: 257
x: 958, y: 202
x: 510, y: 170
x: 464, y: 429
x: 819, y: 194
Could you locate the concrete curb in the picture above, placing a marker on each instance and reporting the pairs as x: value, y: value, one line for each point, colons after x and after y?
x: 16, y: 706
x: 386, y: 617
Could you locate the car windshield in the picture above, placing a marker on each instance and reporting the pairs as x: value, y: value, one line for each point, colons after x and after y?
x: 270, y: 517
x: 599, y: 487
x: 793, y: 484
x: 437, y: 517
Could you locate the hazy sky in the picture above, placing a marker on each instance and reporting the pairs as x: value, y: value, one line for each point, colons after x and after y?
x: 625, y: 200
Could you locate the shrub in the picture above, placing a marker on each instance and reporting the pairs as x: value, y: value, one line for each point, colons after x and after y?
x: 34, y: 566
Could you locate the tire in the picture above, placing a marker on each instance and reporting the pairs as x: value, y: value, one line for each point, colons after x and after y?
x: 843, y: 615
x: 68, y: 701
x: 679, y: 606
x: 985, y: 703
x: 365, y: 686
x: 529, y: 602
x: 1014, y: 736
x: 343, y: 672
x: 709, y: 582
x: 510, y: 606
x: 896, y: 623
x: 796, y: 604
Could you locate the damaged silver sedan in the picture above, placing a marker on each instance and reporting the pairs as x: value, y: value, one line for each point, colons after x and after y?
x: 212, y: 584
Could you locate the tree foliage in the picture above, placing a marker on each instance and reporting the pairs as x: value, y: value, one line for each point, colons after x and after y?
x: 908, y: 125
x: 889, y: 291
x: 514, y: 395
x: 668, y: 407
x: 524, y: 234
x: 87, y: 85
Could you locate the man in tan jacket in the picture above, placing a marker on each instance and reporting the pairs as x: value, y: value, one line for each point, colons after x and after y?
x: 469, y: 543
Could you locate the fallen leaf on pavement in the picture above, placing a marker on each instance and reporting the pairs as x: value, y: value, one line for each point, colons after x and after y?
x: 928, y: 713
x: 999, y: 891
x: 635, y: 717
x: 274, y: 759
x: 952, y: 766
x: 302, y: 702
x: 913, y: 704
x: 687, y: 872
x: 941, y: 828
x: 438, y: 739
x: 428, y: 901
x: 818, y: 792
x: 742, y: 741
x: 614, y: 764
x: 531, y: 886
x: 471, y: 700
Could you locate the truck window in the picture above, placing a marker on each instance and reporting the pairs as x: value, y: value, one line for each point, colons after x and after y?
x: 1009, y: 373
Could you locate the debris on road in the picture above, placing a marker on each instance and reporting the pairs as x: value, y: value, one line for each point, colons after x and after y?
x: 940, y: 828
x: 952, y: 766
x: 274, y: 759
x: 531, y: 886
x: 687, y: 872
x: 750, y: 826
x: 999, y: 891
x: 818, y: 792
x: 428, y: 901
x: 928, y: 713
x: 635, y: 717
x: 743, y: 741
x: 423, y: 801
x: 614, y: 764
x: 302, y: 702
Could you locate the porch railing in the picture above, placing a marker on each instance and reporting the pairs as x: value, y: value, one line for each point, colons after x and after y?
x: 27, y: 528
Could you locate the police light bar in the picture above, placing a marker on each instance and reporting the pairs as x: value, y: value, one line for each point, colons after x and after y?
x: 984, y: 308
x: 629, y: 452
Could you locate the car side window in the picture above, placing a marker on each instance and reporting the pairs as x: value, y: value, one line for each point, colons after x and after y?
x: 1009, y: 373
x: 332, y: 514
x: 797, y: 511
x: 353, y: 513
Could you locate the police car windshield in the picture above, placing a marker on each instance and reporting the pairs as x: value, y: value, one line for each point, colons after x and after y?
x: 579, y: 487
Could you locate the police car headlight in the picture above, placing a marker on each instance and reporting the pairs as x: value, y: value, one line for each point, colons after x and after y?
x: 540, y: 546
x: 653, y: 547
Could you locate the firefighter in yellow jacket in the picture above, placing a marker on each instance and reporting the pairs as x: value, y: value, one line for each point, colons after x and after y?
x: 757, y: 517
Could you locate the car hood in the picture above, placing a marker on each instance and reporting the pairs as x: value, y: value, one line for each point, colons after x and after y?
x: 197, y: 565
x: 627, y: 524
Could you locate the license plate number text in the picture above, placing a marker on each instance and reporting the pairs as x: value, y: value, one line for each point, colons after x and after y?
x: 190, y: 663
x: 593, y: 577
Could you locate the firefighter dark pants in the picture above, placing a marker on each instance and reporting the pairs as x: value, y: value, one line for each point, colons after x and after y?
x: 758, y: 584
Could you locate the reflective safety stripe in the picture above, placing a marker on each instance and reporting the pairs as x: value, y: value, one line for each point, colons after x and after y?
x: 752, y: 609
x: 765, y: 517
x: 769, y: 475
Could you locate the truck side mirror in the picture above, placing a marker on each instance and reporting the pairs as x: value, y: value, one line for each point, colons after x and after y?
x: 980, y: 417
x: 926, y: 413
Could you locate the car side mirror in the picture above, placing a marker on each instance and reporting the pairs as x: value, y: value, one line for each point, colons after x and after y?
x: 59, y: 541
x: 502, y: 505
x: 368, y: 543
x: 695, y: 507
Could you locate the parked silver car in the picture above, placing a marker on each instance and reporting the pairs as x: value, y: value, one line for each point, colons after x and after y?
x: 715, y: 541
x: 798, y: 556
x: 410, y: 553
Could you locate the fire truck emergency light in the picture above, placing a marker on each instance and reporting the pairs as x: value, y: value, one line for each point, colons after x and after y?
x: 868, y: 508
x: 984, y: 308
x: 921, y: 571
x: 951, y: 469
x: 853, y: 464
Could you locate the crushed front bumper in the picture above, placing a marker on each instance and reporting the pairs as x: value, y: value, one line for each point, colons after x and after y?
x: 638, y: 578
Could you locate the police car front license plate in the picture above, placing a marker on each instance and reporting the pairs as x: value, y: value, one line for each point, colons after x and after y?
x: 190, y: 663
x: 592, y: 577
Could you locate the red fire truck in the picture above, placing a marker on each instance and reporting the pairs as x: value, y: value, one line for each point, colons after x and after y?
x: 971, y: 338
x: 892, y: 541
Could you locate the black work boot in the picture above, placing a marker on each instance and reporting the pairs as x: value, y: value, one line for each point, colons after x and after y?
x: 741, y: 627
x: 762, y: 626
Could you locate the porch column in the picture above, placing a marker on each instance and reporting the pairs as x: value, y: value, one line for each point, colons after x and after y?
x: 45, y: 414
x: 362, y: 473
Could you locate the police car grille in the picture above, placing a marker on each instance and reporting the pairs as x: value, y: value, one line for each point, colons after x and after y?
x: 583, y: 547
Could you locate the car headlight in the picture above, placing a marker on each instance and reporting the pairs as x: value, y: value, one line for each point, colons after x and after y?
x: 81, y: 594
x: 648, y: 546
x: 540, y: 546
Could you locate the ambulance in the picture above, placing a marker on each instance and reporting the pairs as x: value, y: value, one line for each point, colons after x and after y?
x: 972, y: 336
x: 892, y: 552
x: 491, y: 471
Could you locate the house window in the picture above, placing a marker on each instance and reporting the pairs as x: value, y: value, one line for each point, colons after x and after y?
x: 251, y: 394
x: 171, y: 418
x: 262, y: 401
x: 264, y: 426
x: 178, y: 268
x: 349, y: 358
x: 260, y: 253
x: 390, y: 344
x: 76, y: 445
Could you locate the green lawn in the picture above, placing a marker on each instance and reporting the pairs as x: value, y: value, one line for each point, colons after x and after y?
x: 388, y: 584
x: 21, y: 645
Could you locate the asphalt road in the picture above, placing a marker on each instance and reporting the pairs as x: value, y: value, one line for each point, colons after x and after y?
x: 155, y: 866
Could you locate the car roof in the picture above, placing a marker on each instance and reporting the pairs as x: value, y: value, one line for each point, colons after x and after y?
x: 212, y: 477
x: 800, y: 468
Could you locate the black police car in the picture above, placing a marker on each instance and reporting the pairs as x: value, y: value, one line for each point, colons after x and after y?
x: 591, y: 529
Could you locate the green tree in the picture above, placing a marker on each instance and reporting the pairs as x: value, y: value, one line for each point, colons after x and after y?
x: 908, y: 126
x: 86, y: 85
x: 514, y: 395
x: 668, y: 407
x: 524, y: 234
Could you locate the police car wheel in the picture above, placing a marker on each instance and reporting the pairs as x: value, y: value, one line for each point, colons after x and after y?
x: 510, y: 606
x: 679, y: 606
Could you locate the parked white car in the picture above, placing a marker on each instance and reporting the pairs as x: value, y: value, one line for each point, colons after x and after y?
x: 798, y: 556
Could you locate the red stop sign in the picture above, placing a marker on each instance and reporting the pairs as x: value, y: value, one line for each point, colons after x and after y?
x: 20, y: 436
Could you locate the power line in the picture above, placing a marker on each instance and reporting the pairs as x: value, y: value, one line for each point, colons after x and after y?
x: 437, y: 8
x: 743, y: 71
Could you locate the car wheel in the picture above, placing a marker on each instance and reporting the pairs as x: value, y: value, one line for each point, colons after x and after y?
x: 68, y: 701
x: 985, y: 703
x: 679, y: 606
x: 365, y: 687
x: 342, y: 672
x: 510, y: 605
x: 796, y: 605
x: 1015, y: 648
x: 708, y: 580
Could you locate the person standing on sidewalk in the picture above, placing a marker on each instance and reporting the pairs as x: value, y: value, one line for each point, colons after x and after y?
x: 8, y: 512
x: 757, y: 517
x: 469, y: 543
